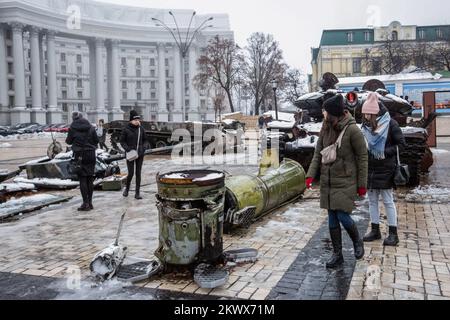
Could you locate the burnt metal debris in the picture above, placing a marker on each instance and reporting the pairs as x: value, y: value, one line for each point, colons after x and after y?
x: 297, y: 142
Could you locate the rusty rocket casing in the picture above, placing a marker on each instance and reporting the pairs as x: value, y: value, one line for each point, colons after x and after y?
x: 248, y: 197
x: 190, y: 205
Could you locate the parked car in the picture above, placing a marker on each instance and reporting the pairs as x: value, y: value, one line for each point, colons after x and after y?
x: 4, y: 131
x: 53, y: 127
x: 30, y: 129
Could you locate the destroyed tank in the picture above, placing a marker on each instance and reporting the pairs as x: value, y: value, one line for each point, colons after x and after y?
x: 299, y: 145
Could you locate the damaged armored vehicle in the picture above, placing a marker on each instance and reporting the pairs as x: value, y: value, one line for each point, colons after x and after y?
x: 299, y: 143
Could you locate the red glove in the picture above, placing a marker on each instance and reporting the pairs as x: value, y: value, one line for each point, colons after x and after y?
x: 362, y: 191
x: 309, y: 182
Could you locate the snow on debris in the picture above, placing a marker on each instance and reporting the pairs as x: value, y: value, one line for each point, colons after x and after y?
x: 282, y: 116
x: 210, y: 176
x: 176, y: 176
x: 47, y: 181
x: 15, y: 187
x: 312, y: 127
x: 310, y: 141
x: 439, y: 151
x: 428, y: 194
x: 5, y: 145
x: 24, y: 202
x: 281, y: 124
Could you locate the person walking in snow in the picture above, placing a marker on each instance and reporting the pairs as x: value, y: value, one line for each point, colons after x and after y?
x: 342, y: 180
x: 385, y: 139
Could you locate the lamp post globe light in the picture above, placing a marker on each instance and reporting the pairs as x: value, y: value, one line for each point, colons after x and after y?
x: 275, y: 87
x: 183, y: 42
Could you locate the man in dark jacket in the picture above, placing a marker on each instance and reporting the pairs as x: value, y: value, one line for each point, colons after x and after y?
x: 134, y: 138
x: 83, y: 138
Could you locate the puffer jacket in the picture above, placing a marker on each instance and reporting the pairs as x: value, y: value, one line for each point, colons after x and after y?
x: 339, y: 181
x: 381, y: 172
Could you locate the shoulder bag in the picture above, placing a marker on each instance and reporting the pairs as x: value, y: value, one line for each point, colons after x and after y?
x: 401, y: 177
x: 329, y: 154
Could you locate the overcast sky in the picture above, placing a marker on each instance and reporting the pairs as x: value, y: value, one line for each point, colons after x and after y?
x: 298, y: 25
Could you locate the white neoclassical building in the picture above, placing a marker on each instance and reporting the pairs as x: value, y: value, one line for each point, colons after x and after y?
x: 59, y: 56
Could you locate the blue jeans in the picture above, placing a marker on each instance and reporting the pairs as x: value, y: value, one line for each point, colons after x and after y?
x: 338, y: 216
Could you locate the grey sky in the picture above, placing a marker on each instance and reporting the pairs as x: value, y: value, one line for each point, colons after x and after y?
x: 298, y: 25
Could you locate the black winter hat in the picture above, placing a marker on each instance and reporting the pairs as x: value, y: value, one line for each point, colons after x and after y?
x: 134, y: 115
x: 76, y: 115
x: 335, y: 105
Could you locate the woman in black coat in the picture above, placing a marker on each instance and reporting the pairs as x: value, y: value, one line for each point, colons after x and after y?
x: 129, y: 141
x: 385, y: 139
x: 83, y: 138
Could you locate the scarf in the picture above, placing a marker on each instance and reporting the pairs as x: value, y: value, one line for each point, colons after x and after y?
x: 377, y: 140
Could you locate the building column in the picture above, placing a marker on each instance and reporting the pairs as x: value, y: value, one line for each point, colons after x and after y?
x: 42, y: 65
x: 163, y: 115
x: 194, y: 97
x: 37, y: 113
x: 54, y: 115
x: 19, y: 114
x: 178, y: 86
x: 99, y: 112
x: 5, y: 119
x: 92, y: 96
x: 115, y: 112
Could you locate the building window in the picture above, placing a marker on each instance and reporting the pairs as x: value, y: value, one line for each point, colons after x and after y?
x: 138, y: 73
x: 138, y: 85
x: 9, y: 51
x: 356, y: 65
x: 124, y: 72
x: 367, y: 36
x: 138, y: 62
x: 421, y: 34
x: 64, y: 107
x: 64, y: 94
x: 167, y: 62
x: 152, y: 95
x: 124, y: 95
x: 167, y: 95
x: 80, y: 107
x: 350, y: 36
x: 79, y: 83
x: 10, y: 68
x: 124, y: 61
x: 152, y: 85
x: 139, y: 96
x: 124, y: 85
x: 11, y: 84
x: 439, y: 33
x: 79, y: 58
x: 64, y: 83
x: 79, y: 70
x: 152, y: 73
x: 152, y: 62
x: 80, y: 94
x: 394, y: 36
x: 167, y: 74
x: 63, y: 69
x: 63, y: 57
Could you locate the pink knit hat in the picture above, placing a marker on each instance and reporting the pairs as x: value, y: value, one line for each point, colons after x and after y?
x: 371, y: 105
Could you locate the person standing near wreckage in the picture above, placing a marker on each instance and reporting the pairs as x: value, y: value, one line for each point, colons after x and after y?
x: 386, y: 141
x: 133, y: 140
x: 342, y: 177
x: 83, y: 139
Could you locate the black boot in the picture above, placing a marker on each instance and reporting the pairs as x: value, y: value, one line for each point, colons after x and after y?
x: 91, y: 206
x: 84, y: 207
x: 138, y: 196
x: 336, y: 240
x: 392, y: 240
x: 358, y: 244
x: 374, y: 234
x: 126, y: 192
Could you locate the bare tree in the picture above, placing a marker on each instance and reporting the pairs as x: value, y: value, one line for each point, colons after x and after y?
x: 264, y: 63
x: 439, y: 54
x: 294, y: 86
x: 220, y: 64
x: 218, y: 100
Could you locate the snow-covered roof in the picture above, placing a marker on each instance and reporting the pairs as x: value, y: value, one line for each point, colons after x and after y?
x: 390, y: 78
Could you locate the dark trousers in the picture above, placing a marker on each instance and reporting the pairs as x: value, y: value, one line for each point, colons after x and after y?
x: 87, y: 188
x: 131, y: 165
x: 102, y: 145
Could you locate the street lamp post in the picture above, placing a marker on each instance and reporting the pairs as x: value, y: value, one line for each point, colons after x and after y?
x: 274, y: 87
x: 183, y: 46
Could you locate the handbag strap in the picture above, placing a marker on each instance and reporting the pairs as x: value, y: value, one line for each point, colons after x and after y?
x: 138, y: 139
x: 398, y: 156
x: 341, y: 136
